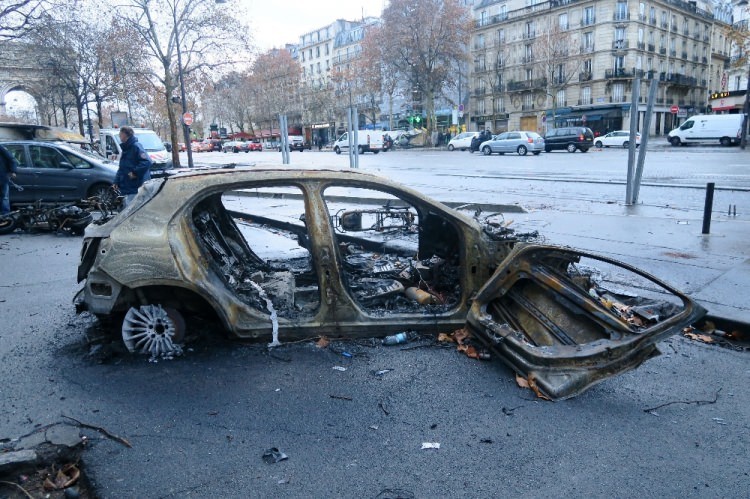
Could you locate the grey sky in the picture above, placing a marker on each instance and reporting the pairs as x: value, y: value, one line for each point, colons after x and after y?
x: 277, y: 23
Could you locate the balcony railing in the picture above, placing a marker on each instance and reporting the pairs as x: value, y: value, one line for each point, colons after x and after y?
x: 585, y: 101
x: 559, y: 80
x: 652, y: 20
x: 514, y: 86
x: 527, y: 59
x: 695, y: 58
x: 651, y: 47
x: 586, y: 49
x: 528, y: 35
x: 588, y: 21
x: 620, y: 44
x: 662, y: 50
x: 684, y: 55
x: 527, y: 107
x: 584, y: 76
x: 665, y: 25
x: 704, y: 60
x: 641, y: 46
x: 674, y: 27
x: 617, y: 98
x: 672, y: 53
x: 621, y: 16
x: 618, y: 73
x: 488, y: 21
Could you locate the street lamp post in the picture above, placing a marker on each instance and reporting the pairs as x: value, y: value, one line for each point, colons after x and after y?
x: 185, y: 128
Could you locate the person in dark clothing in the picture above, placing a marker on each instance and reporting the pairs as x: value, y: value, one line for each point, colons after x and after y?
x: 8, y: 166
x: 135, y: 165
x: 483, y: 136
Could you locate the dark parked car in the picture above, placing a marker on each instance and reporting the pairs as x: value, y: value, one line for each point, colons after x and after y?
x: 56, y: 171
x: 569, y: 139
x: 290, y: 254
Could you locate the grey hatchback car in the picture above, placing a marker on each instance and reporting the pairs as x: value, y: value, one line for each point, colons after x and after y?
x: 520, y: 142
x: 57, y: 171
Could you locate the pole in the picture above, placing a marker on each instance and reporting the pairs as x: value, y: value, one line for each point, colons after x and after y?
x: 633, y: 131
x: 284, y: 137
x: 185, y: 128
x: 644, y: 138
x: 745, y: 112
x: 708, y: 208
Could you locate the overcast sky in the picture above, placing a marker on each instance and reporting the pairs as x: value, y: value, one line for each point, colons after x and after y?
x: 278, y: 22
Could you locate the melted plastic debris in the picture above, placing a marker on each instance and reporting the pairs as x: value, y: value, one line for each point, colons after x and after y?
x: 274, y: 316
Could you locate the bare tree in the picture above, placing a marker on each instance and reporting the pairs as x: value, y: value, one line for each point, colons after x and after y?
x: 425, y: 40
x: 557, y: 59
x: 18, y: 17
x: 204, y: 34
x: 375, y: 48
x: 275, y: 79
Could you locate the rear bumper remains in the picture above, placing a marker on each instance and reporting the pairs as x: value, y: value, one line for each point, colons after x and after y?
x: 566, y: 320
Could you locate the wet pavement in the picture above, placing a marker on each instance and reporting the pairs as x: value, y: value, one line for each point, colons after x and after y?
x: 200, y: 424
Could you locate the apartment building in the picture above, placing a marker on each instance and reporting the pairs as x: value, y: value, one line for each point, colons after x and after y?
x: 544, y: 64
x: 730, y: 68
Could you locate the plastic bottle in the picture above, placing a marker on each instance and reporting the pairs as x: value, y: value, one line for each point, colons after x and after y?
x: 397, y: 339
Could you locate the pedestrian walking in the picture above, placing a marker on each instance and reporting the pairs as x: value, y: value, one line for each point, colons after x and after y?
x: 135, y: 166
x: 8, y: 167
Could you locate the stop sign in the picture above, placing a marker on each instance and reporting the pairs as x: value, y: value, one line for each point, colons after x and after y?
x: 674, y: 109
x: 187, y: 118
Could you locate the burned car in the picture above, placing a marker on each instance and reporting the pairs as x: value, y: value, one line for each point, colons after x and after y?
x: 288, y: 255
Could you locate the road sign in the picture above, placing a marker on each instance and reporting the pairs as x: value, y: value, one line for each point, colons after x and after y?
x: 187, y: 118
x: 674, y: 109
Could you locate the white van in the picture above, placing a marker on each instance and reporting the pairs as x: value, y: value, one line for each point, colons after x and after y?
x: 725, y: 129
x: 109, y: 146
x: 369, y: 140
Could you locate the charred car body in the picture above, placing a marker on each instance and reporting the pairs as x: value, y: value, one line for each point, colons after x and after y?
x: 288, y: 255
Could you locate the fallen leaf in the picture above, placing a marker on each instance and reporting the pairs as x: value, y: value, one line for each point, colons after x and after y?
x: 530, y: 383
x: 65, y: 477
x: 699, y: 337
x: 460, y: 335
x: 322, y: 342
x: 533, y: 386
x: 445, y: 338
x: 521, y: 381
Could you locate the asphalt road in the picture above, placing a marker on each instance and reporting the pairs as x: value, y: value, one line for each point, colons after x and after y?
x: 200, y: 424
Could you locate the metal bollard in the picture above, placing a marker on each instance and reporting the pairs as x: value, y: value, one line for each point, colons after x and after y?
x: 708, y: 207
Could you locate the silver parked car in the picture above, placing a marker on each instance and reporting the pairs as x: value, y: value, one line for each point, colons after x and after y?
x: 520, y: 142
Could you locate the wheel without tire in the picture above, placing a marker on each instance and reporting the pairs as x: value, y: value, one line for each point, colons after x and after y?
x: 102, y: 191
x: 571, y: 148
x: 675, y: 141
x: 450, y: 147
x: 599, y: 144
x: 7, y: 224
x: 486, y: 150
x: 522, y: 150
x: 151, y: 329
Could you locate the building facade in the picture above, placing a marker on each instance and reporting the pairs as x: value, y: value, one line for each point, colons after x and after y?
x: 538, y: 65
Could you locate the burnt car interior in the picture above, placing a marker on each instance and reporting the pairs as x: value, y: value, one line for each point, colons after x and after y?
x: 263, y: 247
x: 395, y: 256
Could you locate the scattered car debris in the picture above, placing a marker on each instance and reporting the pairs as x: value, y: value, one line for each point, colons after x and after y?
x: 430, y: 445
x: 400, y: 338
x: 339, y: 368
x: 381, y: 372
x: 274, y: 455
x: 292, y: 255
x: 686, y: 402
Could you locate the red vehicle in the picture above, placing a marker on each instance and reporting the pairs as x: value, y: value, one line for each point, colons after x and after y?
x: 254, y: 145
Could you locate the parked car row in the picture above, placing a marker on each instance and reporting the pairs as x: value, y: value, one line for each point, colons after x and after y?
x: 569, y: 139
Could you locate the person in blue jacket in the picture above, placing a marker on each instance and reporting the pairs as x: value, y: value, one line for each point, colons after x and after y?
x: 8, y: 167
x: 135, y: 165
